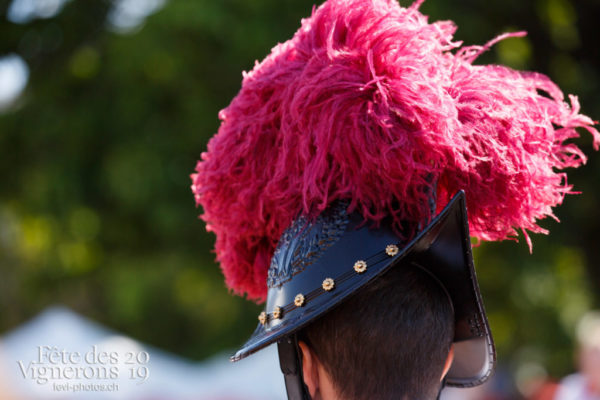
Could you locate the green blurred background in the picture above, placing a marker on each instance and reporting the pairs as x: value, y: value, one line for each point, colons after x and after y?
x: 121, y: 97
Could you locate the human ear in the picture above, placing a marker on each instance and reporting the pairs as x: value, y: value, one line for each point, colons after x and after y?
x: 310, y: 369
x: 448, y: 364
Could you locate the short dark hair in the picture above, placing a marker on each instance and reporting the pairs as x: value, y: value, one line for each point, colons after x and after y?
x: 389, y: 340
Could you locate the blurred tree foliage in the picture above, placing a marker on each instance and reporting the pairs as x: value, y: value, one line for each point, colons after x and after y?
x: 95, y: 156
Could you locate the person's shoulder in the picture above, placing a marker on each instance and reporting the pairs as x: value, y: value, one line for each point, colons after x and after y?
x: 571, y: 388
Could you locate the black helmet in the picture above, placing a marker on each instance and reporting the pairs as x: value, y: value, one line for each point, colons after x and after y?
x: 318, y: 263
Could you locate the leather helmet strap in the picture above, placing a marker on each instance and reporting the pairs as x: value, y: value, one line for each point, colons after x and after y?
x: 291, y: 366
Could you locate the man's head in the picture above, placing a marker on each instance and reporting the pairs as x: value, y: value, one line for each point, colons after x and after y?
x: 400, y: 327
x: 381, y: 306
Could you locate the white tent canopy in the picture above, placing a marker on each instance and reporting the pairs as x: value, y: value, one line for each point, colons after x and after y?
x: 61, y: 355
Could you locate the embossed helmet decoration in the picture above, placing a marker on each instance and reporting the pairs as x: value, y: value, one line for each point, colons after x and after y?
x: 369, y: 124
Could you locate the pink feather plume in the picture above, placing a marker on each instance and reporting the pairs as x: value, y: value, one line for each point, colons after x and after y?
x: 369, y: 101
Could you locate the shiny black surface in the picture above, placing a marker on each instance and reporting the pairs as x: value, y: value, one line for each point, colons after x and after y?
x: 335, y: 241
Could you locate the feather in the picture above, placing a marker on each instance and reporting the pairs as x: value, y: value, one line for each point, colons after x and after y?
x: 370, y: 102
